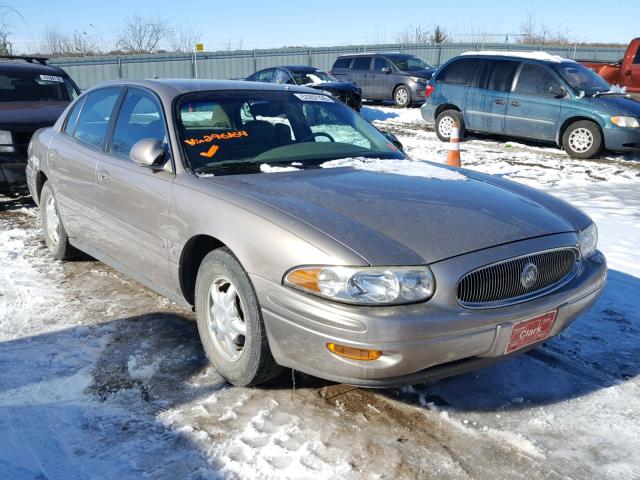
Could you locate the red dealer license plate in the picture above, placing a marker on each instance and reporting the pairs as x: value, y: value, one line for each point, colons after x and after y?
x: 530, y: 331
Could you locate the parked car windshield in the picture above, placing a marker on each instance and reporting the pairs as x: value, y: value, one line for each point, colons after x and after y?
x: 229, y: 129
x: 312, y: 78
x: 581, y: 78
x: 409, y: 63
x: 36, y: 88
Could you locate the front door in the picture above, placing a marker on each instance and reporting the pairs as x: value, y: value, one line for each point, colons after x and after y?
x: 133, y: 200
x: 533, y: 111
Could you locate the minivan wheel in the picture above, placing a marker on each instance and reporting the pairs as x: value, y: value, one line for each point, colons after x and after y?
x: 445, y: 122
x: 582, y: 139
x: 230, y: 321
x: 55, y: 236
x: 402, y: 96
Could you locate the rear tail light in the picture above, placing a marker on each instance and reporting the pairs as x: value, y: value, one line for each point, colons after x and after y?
x: 429, y: 90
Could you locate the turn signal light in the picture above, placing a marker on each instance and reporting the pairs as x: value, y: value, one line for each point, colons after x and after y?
x: 305, y: 278
x: 354, y: 353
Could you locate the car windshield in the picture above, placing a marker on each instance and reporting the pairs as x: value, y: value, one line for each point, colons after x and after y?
x: 581, y: 78
x: 226, y: 130
x: 35, y: 88
x: 312, y: 78
x: 409, y: 63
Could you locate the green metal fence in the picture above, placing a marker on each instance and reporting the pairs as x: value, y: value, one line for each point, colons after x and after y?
x: 88, y: 71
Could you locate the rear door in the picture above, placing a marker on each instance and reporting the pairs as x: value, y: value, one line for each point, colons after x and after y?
x: 487, y: 100
x: 133, y: 200
x: 533, y: 111
x: 360, y: 74
x: 73, y: 158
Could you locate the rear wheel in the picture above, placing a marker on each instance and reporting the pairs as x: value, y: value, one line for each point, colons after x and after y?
x: 445, y: 122
x: 230, y: 321
x: 55, y: 236
x: 402, y: 96
x: 582, y: 139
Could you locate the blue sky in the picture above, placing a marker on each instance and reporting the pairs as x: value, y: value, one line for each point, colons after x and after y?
x: 263, y: 24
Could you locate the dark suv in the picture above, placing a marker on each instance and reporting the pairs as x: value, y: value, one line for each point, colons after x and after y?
x: 385, y: 76
x: 32, y: 95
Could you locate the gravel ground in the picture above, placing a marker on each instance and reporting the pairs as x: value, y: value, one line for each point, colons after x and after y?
x: 102, y: 378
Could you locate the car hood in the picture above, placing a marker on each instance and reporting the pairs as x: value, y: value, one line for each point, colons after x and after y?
x: 30, y: 114
x: 335, y: 86
x: 614, y: 105
x: 424, y: 73
x: 391, y: 219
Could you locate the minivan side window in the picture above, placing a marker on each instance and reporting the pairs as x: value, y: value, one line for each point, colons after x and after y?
x: 72, y: 118
x: 500, y: 74
x: 342, y: 62
x: 140, y: 117
x: 361, y: 63
x: 380, y: 63
x: 459, y: 72
x: 94, y: 117
x: 535, y: 80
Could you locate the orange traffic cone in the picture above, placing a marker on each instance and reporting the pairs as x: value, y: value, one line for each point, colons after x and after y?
x: 453, y: 158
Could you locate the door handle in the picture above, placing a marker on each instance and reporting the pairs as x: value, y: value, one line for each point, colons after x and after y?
x: 627, y: 73
x: 500, y: 101
x: 103, y: 176
x: 515, y: 104
x: 373, y: 76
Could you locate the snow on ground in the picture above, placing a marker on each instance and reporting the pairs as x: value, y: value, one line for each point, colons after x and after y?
x: 101, y: 378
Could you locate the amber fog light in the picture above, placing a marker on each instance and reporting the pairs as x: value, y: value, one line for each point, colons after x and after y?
x: 354, y: 353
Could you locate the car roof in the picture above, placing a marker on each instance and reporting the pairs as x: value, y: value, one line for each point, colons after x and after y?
x: 370, y: 54
x: 12, y: 66
x: 174, y: 87
x: 524, y: 55
x: 299, y: 68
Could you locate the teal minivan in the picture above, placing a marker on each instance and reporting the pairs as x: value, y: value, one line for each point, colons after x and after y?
x: 532, y: 95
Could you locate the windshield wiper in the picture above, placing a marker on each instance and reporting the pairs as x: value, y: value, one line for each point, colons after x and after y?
x: 599, y: 94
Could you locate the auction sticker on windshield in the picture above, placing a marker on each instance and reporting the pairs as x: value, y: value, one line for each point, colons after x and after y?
x: 52, y: 78
x: 530, y: 331
x: 310, y: 97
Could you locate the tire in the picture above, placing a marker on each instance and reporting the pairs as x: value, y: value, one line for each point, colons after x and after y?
x: 402, y: 96
x: 582, y: 139
x: 55, y: 235
x: 444, y: 123
x: 231, y: 327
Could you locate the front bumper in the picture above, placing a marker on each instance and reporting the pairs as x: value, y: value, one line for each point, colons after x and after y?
x: 12, y: 174
x: 420, y: 342
x: 622, y: 139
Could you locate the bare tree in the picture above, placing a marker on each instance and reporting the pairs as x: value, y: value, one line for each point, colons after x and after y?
x: 77, y: 43
x: 534, y: 32
x: 183, y: 39
x: 142, y: 35
x: 416, y: 34
x: 7, y: 15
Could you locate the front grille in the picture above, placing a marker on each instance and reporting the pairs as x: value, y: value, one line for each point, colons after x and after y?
x: 22, y: 140
x: 502, y: 284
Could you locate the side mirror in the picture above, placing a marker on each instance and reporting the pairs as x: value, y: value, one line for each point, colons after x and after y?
x: 557, y: 91
x: 393, y: 139
x: 385, y: 70
x: 148, y: 152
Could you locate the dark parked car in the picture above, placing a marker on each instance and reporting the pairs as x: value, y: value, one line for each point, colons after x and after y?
x: 32, y: 95
x: 346, y: 92
x: 533, y: 95
x: 285, y: 219
x: 386, y: 76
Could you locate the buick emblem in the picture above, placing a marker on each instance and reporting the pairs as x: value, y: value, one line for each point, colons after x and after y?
x: 529, y: 275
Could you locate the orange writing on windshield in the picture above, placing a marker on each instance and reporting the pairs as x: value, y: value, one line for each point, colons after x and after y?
x: 216, y: 136
x: 211, y: 152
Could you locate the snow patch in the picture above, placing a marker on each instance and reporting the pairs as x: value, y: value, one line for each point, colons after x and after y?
x: 266, y: 168
x: 144, y: 373
x: 397, y: 167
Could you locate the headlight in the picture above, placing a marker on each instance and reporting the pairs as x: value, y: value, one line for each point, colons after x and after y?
x: 6, y: 141
x: 625, y: 122
x: 365, y: 285
x: 588, y: 240
x: 419, y: 79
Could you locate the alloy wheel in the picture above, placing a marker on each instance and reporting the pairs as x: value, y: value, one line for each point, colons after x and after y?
x: 53, y: 221
x: 580, y: 140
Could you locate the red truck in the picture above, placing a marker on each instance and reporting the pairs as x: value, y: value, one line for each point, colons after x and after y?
x: 625, y: 73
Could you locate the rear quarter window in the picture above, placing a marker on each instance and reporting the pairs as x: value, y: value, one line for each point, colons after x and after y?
x: 342, y: 62
x: 458, y: 72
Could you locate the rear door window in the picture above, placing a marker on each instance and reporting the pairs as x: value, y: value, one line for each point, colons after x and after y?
x: 94, y: 118
x: 535, y: 80
x: 380, y: 63
x: 72, y: 118
x: 459, y: 72
x: 361, y: 63
x: 499, y: 75
x: 265, y: 75
x: 342, y: 62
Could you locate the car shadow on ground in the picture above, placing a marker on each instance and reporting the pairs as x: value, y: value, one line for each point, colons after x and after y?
x: 375, y: 114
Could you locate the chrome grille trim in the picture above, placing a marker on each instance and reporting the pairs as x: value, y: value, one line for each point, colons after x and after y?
x: 498, y: 284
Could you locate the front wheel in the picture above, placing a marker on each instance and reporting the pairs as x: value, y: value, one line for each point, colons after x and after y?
x: 230, y: 321
x: 582, y: 139
x: 402, y: 96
